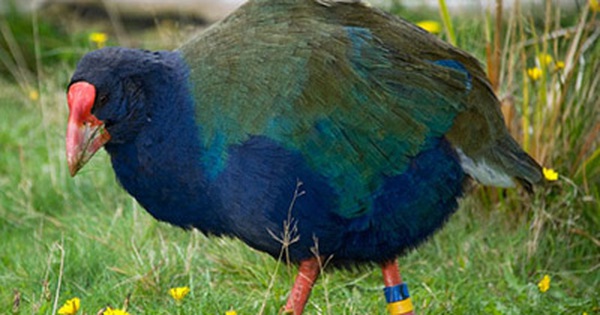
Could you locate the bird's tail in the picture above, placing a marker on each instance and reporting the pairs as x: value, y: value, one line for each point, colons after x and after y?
x: 518, y: 164
x: 486, y: 149
x: 502, y: 165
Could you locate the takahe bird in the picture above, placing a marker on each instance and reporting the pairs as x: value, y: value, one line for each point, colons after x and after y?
x: 326, y: 129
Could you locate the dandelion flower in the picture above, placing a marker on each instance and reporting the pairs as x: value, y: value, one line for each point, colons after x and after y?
x: 550, y: 174
x: 595, y: 5
x: 111, y: 311
x: 559, y: 65
x: 231, y: 312
x: 70, y: 307
x: 179, y: 293
x: 544, y: 284
x: 34, y: 95
x: 432, y: 27
x: 98, y: 38
x: 545, y: 59
x: 534, y: 73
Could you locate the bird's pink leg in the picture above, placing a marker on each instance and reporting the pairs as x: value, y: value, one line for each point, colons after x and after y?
x: 396, y: 292
x: 307, y: 275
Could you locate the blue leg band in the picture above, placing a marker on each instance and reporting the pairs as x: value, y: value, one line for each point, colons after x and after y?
x: 396, y: 293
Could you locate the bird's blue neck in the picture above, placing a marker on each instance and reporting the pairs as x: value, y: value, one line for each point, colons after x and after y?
x: 160, y: 167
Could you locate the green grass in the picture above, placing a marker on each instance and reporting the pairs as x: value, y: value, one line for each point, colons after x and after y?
x: 84, y: 237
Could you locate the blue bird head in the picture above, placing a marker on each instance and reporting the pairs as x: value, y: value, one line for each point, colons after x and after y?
x: 107, y: 100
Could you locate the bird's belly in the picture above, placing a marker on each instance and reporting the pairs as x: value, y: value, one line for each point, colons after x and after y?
x: 273, y: 200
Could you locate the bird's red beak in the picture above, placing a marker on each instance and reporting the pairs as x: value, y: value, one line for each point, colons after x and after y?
x: 85, y: 133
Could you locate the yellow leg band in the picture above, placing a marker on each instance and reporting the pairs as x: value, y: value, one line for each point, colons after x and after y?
x: 400, y: 307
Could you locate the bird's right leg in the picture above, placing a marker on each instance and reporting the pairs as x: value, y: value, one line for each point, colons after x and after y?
x: 396, y: 292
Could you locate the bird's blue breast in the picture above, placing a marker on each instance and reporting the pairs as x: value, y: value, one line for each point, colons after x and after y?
x: 269, y: 196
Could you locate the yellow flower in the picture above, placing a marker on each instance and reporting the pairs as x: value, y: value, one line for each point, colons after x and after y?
x: 550, y: 174
x: 559, y: 65
x: 544, y: 284
x: 98, y: 38
x: 595, y: 5
x: 534, y: 73
x: 34, y: 95
x: 111, y: 311
x: 432, y: 27
x: 70, y: 307
x: 231, y: 312
x: 179, y: 293
x: 544, y: 59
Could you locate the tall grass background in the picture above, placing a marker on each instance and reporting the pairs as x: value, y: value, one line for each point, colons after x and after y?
x: 85, y: 237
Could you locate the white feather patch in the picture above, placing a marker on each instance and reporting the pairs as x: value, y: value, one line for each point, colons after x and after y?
x: 329, y: 3
x: 483, y: 172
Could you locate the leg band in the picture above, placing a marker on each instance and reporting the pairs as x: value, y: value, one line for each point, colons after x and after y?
x: 396, y: 293
x: 398, y: 299
x: 400, y: 307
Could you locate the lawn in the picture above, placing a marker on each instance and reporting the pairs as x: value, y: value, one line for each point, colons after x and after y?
x: 84, y: 237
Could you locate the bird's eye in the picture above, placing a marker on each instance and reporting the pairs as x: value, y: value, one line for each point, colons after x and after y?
x: 102, y: 100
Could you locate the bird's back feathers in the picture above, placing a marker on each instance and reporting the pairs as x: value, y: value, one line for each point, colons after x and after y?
x: 357, y: 107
